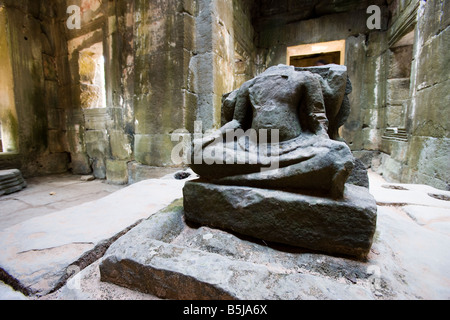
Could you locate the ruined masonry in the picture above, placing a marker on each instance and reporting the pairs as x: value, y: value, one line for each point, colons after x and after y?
x: 11, y: 181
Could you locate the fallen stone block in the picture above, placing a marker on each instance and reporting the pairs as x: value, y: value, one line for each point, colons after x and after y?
x: 87, y: 178
x: 11, y: 181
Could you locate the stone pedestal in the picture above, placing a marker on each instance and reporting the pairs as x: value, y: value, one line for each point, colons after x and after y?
x: 11, y: 181
x: 165, y: 257
x: 344, y: 227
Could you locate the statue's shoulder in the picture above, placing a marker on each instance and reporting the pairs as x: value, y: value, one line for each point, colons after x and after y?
x: 280, y: 69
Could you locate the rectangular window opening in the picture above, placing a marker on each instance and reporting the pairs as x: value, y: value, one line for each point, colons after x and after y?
x: 316, y: 59
x: 316, y: 54
x: 92, y: 77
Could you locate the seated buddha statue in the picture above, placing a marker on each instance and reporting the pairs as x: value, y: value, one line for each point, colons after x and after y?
x: 277, y: 134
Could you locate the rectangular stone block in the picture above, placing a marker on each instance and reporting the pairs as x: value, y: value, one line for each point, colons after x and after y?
x: 120, y: 144
x: 432, y: 120
x: 98, y: 149
x: 190, y: 110
x: 433, y: 63
x: 97, y: 143
x: 138, y: 172
x: 154, y: 149
x: 400, y: 60
x: 338, y: 227
x: 80, y: 163
x: 56, y: 142
x: 50, y: 94
x: 397, y: 91
x: 395, y: 116
x: 55, y: 119
x: 117, y: 172
x: 95, y: 119
x: 371, y: 138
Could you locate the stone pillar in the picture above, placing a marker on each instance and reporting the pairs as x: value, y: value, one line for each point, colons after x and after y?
x: 225, y: 54
x: 429, y: 144
x: 164, y: 45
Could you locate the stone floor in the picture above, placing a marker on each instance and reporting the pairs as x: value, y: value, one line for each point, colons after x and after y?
x: 49, y: 194
x: 60, y: 221
x: 60, y: 224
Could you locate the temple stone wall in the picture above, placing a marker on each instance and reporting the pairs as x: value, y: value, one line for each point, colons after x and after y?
x: 427, y: 157
x: 397, y: 125
x: 294, y: 23
x: 32, y: 107
x: 97, y: 117
x: 104, y: 99
x: 225, y: 53
x: 163, y: 98
x: 414, y: 144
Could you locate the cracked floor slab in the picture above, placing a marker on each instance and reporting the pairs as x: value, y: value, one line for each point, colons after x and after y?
x: 36, y: 200
x: 36, y: 252
x: 397, y: 194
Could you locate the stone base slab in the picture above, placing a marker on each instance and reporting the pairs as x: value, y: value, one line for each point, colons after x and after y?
x: 165, y: 257
x: 343, y: 227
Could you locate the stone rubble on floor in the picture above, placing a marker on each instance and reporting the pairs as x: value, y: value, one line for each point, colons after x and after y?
x: 11, y: 181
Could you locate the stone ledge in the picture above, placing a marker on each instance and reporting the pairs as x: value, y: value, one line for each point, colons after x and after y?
x: 344, y: 227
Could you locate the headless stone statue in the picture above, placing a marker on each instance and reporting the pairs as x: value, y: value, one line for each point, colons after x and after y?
x: 291, y: 188
x: 294, y: 106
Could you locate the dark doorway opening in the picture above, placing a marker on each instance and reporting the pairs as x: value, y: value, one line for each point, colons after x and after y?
x: 316, y: 59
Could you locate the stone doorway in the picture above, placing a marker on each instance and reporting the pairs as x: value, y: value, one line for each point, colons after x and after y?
x: 308, y: 55
x: 92, y: 77
x: 316, y: 59
x: 398, y: 88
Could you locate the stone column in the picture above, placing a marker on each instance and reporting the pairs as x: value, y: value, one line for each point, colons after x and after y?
x: 164, y: 45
